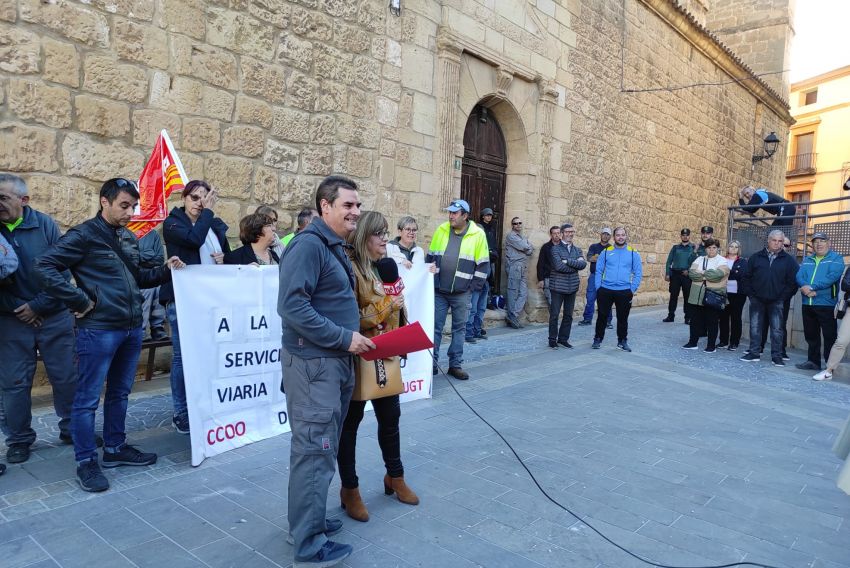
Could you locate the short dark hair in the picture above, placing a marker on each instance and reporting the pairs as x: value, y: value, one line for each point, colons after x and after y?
x: 267, y: 210
x: 251, y: 227
x: 113, y: 187
x: 305, y: 215
x: 329, y: 189
x: 554, y: 228
x: 566, y: 226
x: 193, y: 185
x: 711, y: 243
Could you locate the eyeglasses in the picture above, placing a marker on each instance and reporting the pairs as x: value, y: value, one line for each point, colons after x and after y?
x: 517, y: 223
x: 121, y: 182
x: 410, y: 229
x: 383, y: 235
x: 787, y: 246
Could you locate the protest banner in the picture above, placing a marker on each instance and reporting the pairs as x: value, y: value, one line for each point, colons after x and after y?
x: 231, y: 352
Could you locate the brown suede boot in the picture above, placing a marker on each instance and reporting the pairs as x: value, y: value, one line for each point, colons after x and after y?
x: 399, y: 487
x: 353, y: 504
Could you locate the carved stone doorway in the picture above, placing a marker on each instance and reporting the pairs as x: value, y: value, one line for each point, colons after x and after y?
x: 484, y: 171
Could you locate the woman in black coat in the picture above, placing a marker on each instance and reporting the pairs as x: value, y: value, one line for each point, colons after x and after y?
x: 256, y: 231
x: 736, y: 293
x: 197, y: 236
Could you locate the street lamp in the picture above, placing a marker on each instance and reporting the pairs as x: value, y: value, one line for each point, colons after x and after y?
x: 771, y: 143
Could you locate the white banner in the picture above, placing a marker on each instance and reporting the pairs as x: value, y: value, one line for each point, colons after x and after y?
x: 230, y: 346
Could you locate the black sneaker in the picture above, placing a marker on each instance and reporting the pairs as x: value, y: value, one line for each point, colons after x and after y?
x: 181, y: 424
x: 721, y: 345
x: 128, y: 455
x: 470, y: 340
x: 624, y: 345
x: 785, y: 357
x: 458, y: 373
x: 331, y: 554
x: 553, y: 344
x: 732, y: 347
x: 332, y: 526
x: 90, y: 477
x: 565, y: 343
x: 435, y: 371
x: 597, y: 343
x: 609, y: 326
x: 749, y: 357
x: 710, y: 350
x: 18, y: 453
x: 808, y: 366
x: 669, y: 319
x: 690, y: 345
x: 482, y: 334
x: 159, y: 334
x: 585, y: 322
x: 778, y: 362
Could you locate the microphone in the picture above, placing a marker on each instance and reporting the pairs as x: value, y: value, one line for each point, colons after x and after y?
x: 388, y: 271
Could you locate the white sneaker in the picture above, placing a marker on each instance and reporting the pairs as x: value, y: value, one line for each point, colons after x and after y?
x: 824, y: 375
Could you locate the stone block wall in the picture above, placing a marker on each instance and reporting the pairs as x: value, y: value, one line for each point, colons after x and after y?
x: 659, y: 160
x: 260, y: 98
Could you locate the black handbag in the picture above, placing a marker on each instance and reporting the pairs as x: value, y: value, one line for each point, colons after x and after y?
x: 712, y: 299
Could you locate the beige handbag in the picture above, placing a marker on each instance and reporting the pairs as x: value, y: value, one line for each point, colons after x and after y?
x: 377, y: 379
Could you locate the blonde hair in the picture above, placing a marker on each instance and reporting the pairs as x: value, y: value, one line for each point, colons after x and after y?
x: 369, y: 224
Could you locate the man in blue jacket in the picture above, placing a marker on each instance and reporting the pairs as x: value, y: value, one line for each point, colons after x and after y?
x: 818, y: 279
x: 31, y: 320
x: 317, y: 304
x: 618, y: 274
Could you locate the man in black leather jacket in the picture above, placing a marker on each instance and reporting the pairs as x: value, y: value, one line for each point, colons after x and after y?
x: 103, y: 256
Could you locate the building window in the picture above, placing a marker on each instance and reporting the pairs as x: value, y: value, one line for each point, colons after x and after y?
x: 810, y: 97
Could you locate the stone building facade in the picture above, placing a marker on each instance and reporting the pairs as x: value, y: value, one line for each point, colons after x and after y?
x: 264, y: 97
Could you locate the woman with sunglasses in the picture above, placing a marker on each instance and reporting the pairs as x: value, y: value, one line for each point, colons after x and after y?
x: 378, y: 313
x: 193, y: 233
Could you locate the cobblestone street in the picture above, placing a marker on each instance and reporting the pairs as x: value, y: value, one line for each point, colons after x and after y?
x: 682, y: 457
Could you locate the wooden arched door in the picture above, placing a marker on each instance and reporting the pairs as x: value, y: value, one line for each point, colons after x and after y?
x: 483, y: 174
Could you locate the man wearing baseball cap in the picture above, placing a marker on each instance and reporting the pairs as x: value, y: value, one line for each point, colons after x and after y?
x: 679, y: 260
x: 705, y: 233
x: 818, y: 278
x: 459, y: 249
x: 593, y: 252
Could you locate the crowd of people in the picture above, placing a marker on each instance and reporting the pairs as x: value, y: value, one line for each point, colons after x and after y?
x: 332, y: 302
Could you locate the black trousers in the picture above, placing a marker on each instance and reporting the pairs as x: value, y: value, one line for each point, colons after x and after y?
x: 568, y: 303
x: 387, y: 413
x: 605, y: 298
x: 704, y: 321
x: 679, y: 282
x: 786, y: 307
x: 819, y: 320
x: 730, y: 319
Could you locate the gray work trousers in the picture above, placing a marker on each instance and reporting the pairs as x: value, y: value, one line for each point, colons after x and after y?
x: 517, y: 287
x: 318, y: 392
x: 153, y: 313
x: 19, y: 347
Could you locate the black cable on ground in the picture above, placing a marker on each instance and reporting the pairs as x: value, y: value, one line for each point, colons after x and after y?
x: 550, y: 498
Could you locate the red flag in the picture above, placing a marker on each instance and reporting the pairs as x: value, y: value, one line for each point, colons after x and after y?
x: 162, y: 175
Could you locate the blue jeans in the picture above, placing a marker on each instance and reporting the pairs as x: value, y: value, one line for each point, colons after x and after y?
x: 774, y: 311
x: 109, y: 356
x: 591, y: 300
x: 178, y: 386
x: 459, y: 305
x: 477, y: 307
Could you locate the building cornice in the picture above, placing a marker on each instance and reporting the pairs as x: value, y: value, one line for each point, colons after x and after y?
x: 683, y: 22
x: 818, y: 80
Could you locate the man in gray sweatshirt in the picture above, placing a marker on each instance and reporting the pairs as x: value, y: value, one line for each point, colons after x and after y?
x: 320, y: 321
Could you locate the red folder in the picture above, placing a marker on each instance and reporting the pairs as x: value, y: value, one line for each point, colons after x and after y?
x: 401, y: 341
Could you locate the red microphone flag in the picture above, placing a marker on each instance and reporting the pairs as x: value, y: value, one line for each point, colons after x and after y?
x: 162, y: 175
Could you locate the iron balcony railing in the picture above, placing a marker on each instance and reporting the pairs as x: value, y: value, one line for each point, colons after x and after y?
x: 802, y: 164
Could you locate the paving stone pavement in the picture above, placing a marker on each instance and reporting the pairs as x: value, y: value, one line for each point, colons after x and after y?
x: 683, y: 457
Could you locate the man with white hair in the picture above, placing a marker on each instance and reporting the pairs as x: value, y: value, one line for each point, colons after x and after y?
x: 772, y: 204
x: 772, y: 277
x: 31, y: 322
